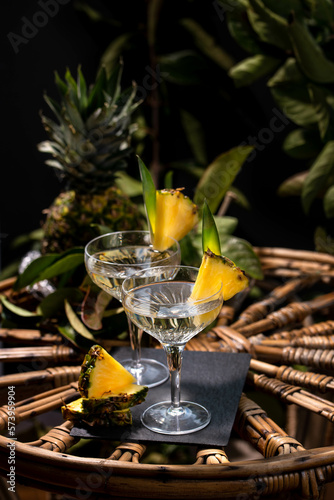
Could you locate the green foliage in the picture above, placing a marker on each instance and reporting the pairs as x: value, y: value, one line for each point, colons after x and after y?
x: 210, y: 236
x: 184, y: 74
x: 290, y: 43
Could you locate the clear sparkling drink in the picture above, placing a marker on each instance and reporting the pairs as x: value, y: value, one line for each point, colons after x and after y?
x: 165, y: 311
x: 125, y: 262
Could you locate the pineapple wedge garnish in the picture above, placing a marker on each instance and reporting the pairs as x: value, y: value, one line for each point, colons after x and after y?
x: 216, y: 271
x: 176, y: 215
x: 170, y: 213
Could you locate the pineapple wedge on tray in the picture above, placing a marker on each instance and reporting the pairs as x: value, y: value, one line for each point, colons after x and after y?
x: 76, y: 412
x: 107, y: 390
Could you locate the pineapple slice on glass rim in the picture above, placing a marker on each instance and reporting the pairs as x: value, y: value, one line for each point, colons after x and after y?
x: 170, y: 213
x: 216, y: 271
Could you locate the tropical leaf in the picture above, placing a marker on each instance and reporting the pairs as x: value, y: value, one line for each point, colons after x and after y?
x: 195, y: 136
x: 285, y: 7
x: 17, y: 310
x: 219, y: 176
x: 53, y: 304
x: 225, y: 224
x: 185, y: 67
x: 323, y: 241
x: 129, y: 185
x: 33, y: 271
x: 329, y: 202
x: 61, y: 266
x: 269, y: 26
x: 318, y: 175
x: 311, y: 58
x: 77, y: 340
x: 242, y: 32
x: 302, y: 144
x: 253, y: 68
x: 289, y: 89
x: 323, y: 101
x: 75, y: 322
x: 242, y: 254
x: 207, y: 44
x: 93, y: 307
x: 292, y: 186
x: 240, y: 198
x: 321, y: 10
x: 111, y: 56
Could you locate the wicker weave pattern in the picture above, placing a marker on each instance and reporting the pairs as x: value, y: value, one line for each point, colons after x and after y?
x: 280, y: 331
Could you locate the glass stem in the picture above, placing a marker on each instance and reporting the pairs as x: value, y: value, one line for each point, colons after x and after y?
x: 174, y: 361
x: 135, y: 341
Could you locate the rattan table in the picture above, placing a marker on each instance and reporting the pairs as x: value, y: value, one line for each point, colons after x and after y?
x: 289, y: 332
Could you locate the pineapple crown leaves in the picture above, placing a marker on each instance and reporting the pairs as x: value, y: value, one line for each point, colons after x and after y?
x: 210, y: 236
x: 94, y: 126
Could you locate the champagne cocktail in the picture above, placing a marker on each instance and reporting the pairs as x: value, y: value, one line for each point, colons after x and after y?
x: 113, y: 257
x: 159, y: 302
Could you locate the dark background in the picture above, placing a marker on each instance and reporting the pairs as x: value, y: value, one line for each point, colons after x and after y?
x: 68, y: 38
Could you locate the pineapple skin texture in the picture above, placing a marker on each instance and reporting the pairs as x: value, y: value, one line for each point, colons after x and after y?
x: 121, y: 401
x: 75, y: 412
x: 69, y: 218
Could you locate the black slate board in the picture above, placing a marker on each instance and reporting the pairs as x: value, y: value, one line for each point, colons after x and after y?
x: 212, y: 379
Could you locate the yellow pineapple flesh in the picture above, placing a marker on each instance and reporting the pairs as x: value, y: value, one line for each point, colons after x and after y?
x: 216, y: 271
x: 101, y: 374
x: 176, y: 215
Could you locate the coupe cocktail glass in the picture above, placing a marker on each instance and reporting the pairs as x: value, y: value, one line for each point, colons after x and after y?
x: 110, y: 259
x: 158, y: 301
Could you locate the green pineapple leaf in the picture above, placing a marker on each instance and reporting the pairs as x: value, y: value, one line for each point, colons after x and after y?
x: 210, y: 236
x: 96, y: 97
x: 62, y: 87
x: 149, y: 193
x: 113, y: 87
x: 82, y: 91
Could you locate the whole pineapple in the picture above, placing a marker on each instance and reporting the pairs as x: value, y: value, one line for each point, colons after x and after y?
x: 90, y: 144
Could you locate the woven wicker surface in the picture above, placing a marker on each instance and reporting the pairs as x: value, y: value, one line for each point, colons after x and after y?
x: 289, y: 331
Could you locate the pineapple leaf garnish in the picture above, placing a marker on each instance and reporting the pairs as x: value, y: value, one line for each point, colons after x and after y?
x: 149, y: 194
x: 210, y: 236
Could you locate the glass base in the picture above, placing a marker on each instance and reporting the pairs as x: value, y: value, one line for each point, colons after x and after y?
x: 189, y: 417
x: 148, y: 372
